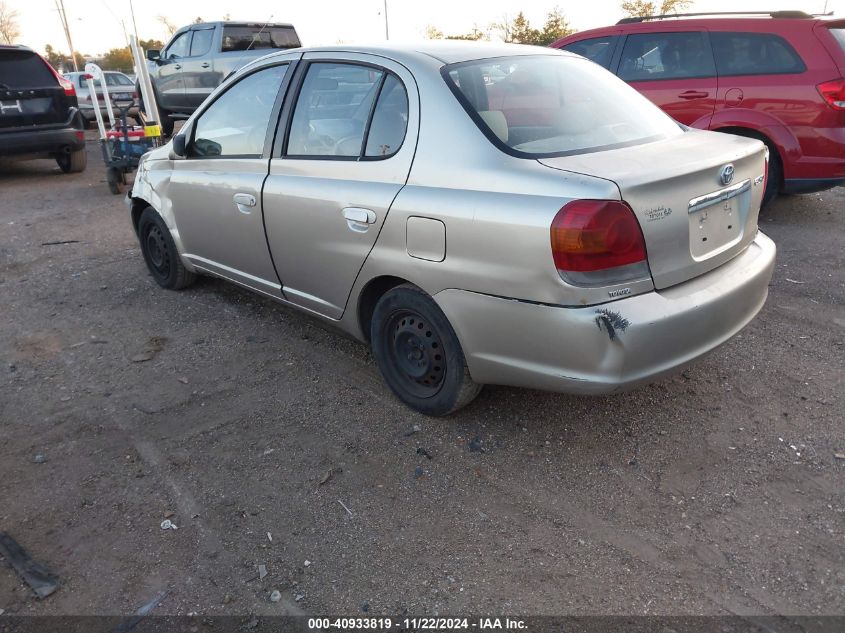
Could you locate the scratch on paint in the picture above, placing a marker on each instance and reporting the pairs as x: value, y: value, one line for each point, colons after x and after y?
x: 612, y: 322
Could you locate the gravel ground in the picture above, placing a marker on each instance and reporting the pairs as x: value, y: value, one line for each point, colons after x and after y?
x: 268, y: 439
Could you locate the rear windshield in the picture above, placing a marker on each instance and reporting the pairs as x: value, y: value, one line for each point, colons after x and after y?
x: 24, y: 69
x: 242, y: 38
x: 541, y: 106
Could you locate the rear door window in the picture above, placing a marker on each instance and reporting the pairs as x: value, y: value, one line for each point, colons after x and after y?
x: 332, y: 110
x: 676, y: 55
x: 24, y: 69
x: 754, y: 54
x: 201, y: 43
x: 596, y: 49
x: 390, y: 120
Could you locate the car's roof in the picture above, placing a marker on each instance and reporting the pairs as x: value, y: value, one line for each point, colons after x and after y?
x: 108, y: 72
x: 15, y: 47
x: 445, y: 51
x: 773, y: 23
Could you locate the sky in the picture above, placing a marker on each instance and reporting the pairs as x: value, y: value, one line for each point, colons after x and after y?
x: 95, y: 25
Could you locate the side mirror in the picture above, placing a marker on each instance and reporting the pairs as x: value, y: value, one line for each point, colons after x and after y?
x: 153, y: 55
x: 180, y: 145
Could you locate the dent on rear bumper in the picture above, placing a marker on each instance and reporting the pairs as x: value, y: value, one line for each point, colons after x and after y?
x: 611, y: 347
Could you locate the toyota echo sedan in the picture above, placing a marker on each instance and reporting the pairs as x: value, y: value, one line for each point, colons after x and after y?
x: 477, y: 213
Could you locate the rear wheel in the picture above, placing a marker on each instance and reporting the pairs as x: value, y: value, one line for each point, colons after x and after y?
x: 160, y: 252
x: 115, y: 179
x: 72, y: 162
x: 419, y: 354
x: 775, y: 177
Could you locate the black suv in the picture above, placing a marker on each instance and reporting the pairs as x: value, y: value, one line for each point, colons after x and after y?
x: 39, y: 117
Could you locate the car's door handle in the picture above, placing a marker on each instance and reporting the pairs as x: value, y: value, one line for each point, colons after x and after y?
x: 359, y: 215
x: 205, y: 65
x: 693, y: 94
x: 244, y: 200
x: 178, y: 66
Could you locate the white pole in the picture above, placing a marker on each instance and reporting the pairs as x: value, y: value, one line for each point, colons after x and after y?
x: 147, y: 94
x: 92, y: 69
x: 96, y: 103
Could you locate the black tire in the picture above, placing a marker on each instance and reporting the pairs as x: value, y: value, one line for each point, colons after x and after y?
x: 775, y: 178
x: 160, y: 252
x: 115, y: 180
x: 73, y: 162
x: 419, y: 354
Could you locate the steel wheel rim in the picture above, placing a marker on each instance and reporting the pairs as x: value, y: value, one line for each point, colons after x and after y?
x: 157, y: 252
x: 416, y: 355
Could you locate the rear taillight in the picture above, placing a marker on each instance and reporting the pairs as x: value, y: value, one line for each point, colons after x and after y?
x: 66, y: 84
x: 598, y: 241
x: 833, y: 92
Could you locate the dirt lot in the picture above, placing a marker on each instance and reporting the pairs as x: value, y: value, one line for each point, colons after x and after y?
x: 716, y: 491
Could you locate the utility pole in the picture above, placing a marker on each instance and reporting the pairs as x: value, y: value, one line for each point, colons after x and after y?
x: 134, y: 24
x: 60, y: 7
x: 386, y: 30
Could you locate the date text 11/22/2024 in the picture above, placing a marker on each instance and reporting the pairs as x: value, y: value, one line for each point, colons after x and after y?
x: 417, y: 624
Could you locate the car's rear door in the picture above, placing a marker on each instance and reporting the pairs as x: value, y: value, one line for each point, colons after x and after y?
x: 343, y: 154
x: 30, y: 93
x: 198, y: 76
x: 215, y: 192
x: 675, y: 70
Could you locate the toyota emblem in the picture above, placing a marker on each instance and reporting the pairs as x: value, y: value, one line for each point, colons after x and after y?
x: 726, y: 175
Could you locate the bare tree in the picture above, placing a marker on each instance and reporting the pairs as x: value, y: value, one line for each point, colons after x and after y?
x: 9, y: 29
x: 433, y: 33
x: 644, y: 8
x: 168, y: 25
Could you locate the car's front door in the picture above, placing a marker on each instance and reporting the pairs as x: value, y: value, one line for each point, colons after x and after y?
x: 170, y: 87
x: 216, y: 190
x: 345, y: 151
x: 675, y: 70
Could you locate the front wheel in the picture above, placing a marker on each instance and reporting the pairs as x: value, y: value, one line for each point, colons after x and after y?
x: 419, y: 354
x: 160, y: 252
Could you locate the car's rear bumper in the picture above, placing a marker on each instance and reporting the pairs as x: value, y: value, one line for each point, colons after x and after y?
x: 810, y: 185
x: 614, y: 346
x: 37, y: 139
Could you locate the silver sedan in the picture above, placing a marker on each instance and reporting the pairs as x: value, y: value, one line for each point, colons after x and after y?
x: 477, y: 213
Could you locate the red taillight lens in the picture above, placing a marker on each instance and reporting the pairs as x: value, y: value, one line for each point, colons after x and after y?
x: 833, y: 92
x: 594, y: 235
x: 70, y: 91
x: 66, y: 84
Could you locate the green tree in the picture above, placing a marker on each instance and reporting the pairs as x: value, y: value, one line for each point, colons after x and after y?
x: 9, y: 29
x: 118, y: 59
x: 645, y: 8
x: 60, y: 61
x: 433, y: 33
x: 473, y: 36
x: 151, y: 44
x: 555, y: 28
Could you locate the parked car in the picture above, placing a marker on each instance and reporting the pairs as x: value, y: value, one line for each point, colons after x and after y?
x: 580, y: 240
x: 121, y: 92
x: 38, y: 111
x: 199, y: 56
x: 778, y: 77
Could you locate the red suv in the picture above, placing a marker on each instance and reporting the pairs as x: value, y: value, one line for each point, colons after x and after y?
x: 775, y: 76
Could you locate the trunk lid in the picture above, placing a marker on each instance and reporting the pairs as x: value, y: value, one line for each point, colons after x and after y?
x: 691, y: 219
x: 30, y: 94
